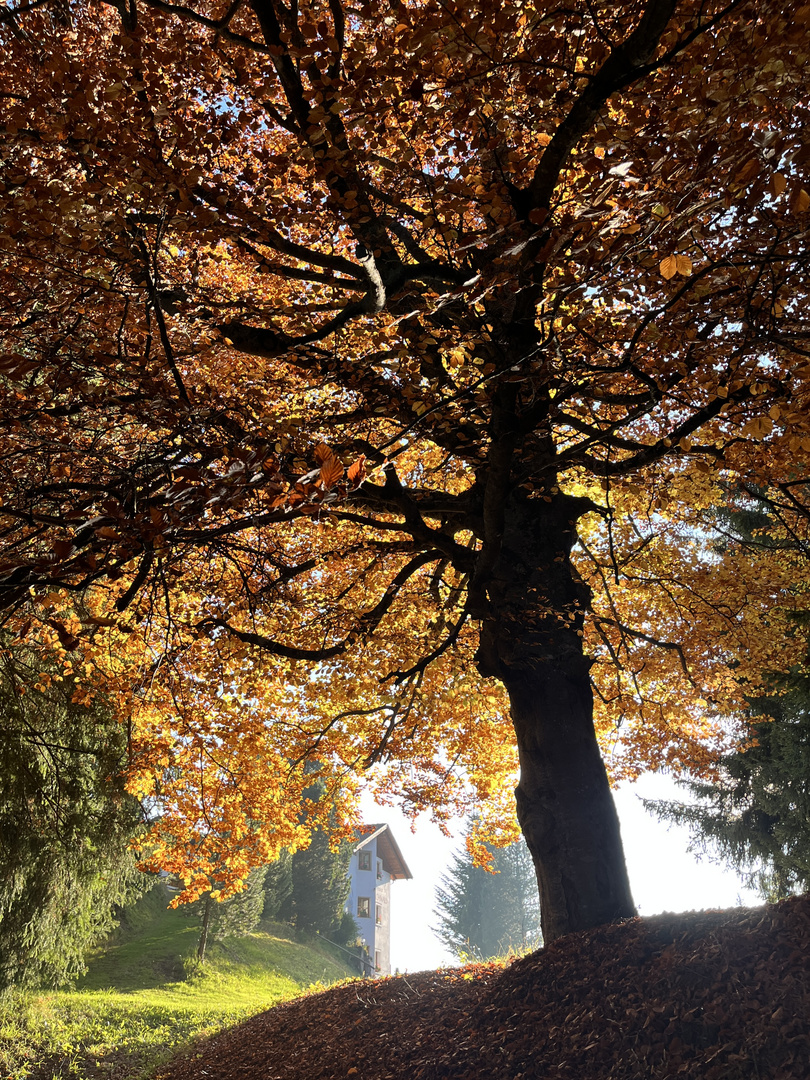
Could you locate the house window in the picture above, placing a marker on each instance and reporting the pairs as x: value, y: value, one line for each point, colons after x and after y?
x: 363, y: 907
x: 379, y: 869
x: 376, y: 961
x: 378, y: 915
x: 364, y: 859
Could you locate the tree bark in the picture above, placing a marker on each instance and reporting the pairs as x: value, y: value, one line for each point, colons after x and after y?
x: 202, y: 942
x: 531, y: 640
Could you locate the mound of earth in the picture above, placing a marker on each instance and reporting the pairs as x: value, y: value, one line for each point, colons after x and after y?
x: 712, y: 995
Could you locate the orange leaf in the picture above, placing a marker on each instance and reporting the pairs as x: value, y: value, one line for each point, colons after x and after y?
x: 669, y: 267
x: 778, y: 184
x: 331, y: 471
x: 357, y: 471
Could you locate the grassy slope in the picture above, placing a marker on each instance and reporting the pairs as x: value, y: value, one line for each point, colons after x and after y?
x: 136, y: 1006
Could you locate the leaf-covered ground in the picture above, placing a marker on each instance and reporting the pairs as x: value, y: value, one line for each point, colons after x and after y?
x: 715, y: 995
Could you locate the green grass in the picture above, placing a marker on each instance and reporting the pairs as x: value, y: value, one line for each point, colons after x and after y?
x: 144, y: 997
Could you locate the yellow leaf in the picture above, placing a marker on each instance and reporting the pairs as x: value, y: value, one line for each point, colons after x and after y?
x: 683, y: 264
x: 669, y: 267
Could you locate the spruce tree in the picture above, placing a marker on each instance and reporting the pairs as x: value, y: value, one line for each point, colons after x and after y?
x: 278, y: 889
x: 483, y: 913
x: 308, y: 888
x: 756, y: 816
x: 65, y: 823
x: 320, y: 886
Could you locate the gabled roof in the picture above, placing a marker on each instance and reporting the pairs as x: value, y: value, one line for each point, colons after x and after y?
x: 387, y: 849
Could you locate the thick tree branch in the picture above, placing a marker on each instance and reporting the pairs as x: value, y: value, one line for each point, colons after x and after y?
x: 365, y: 624
x: 218, y: 27
x: 670, y: 646
x: 622, y: 66
x: 662, y: 447
x: 395, y: 497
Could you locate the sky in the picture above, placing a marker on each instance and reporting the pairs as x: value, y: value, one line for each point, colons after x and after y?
x: 664, y: 875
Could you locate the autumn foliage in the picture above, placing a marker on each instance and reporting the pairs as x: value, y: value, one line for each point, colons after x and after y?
x: 369, y: 379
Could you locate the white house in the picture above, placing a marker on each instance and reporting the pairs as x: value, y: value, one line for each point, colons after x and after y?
x: 376, y: 862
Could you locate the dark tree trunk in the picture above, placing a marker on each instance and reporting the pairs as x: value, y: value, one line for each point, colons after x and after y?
x: 202, y: 943
x: 531, y: 640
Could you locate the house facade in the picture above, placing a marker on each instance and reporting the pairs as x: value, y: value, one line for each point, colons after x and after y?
x: 376, y: 862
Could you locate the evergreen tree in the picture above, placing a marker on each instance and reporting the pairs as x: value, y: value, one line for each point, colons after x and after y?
x: 278, y: 889
x: 238, y: 915
x: 485, y: 913
x: 312, y: 896
x: 318, y: 881
x: 320, y: 885
x: 65, y: 824
x: 756, y: 816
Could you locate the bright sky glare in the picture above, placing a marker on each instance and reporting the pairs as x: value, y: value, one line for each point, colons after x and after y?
x: 664, y: 876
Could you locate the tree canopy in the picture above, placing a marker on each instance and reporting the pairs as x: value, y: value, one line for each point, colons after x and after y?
x: 367, y: 372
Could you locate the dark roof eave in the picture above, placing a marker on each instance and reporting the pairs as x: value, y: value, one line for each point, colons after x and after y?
x: 394, y: 863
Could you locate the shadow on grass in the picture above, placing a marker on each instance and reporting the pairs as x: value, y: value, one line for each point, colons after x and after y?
x: 154, y: 958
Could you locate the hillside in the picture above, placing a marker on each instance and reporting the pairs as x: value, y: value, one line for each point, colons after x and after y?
x: 709, y: 995
x: 145, y: 996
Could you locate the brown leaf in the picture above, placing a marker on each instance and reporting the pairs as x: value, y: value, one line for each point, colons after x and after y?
x: 356, y: 472
x: 67, y: 640
x: 778, y: 184
x: 799, y: 200
x: 331, y: 471
x: 62, y: 548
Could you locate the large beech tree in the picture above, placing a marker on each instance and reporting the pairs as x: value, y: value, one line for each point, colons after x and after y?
x: 367, y: 371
